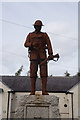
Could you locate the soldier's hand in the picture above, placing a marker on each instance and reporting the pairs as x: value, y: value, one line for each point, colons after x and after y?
x: 34, y: 45
x: 50, y: 56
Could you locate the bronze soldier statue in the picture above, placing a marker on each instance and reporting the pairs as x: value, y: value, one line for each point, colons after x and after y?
x: 38, y: 42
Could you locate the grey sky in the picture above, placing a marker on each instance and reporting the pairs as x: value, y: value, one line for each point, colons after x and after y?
x: 61, y: 24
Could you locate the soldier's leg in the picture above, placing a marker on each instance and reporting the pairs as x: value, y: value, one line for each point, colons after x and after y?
x: 44, y: 74
x: 33, y: 75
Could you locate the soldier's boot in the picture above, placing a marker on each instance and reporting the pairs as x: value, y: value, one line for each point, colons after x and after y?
x: 44, y: 83
x: 33, y: 81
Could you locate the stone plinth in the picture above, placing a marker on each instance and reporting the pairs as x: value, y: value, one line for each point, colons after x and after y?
x: 37, y: 107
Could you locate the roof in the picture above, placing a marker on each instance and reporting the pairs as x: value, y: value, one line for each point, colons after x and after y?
x: 22, y: 83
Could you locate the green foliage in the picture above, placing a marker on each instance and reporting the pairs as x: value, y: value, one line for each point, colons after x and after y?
x: 51, y: 76
x: 67, y: 74
x: 28, y: 73
x: 78, y: 74
x: 18, y: 73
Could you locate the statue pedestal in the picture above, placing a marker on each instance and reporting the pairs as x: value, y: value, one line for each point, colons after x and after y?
x: 37, y: 107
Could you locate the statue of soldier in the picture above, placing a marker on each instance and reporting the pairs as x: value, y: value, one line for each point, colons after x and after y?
x: 38, y: 42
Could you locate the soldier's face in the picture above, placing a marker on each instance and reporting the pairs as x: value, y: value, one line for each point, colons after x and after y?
x: 37, y: 28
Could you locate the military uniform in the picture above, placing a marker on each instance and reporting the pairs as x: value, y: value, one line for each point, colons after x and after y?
x: 38, y: 43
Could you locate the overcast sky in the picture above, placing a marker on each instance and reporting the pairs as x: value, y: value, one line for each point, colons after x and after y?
x: 60, y: 21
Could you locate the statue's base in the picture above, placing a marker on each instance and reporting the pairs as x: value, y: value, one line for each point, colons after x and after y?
x: 37, y: 107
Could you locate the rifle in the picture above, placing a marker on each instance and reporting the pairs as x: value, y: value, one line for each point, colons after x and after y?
x: 50, y: 58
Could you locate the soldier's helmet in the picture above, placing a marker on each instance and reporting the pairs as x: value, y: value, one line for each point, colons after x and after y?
x: 38, y: 22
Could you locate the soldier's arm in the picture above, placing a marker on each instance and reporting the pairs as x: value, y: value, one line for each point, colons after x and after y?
x: 49, y: 46
x: 27, y: 42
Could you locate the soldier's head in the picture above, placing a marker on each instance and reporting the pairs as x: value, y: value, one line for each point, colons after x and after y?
x: 38, y: 25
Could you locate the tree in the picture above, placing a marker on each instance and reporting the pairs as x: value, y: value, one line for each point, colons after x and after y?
x: 78, y: 74
x: 18, y: 73
x: 67, y: 74
x: 51, y: 76
x: 28, y: 73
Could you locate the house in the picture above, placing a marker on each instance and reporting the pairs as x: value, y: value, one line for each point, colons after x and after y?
x: 3, y: 98
x: 66, y: 88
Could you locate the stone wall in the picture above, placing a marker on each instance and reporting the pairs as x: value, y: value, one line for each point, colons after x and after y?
x: 37, y: 107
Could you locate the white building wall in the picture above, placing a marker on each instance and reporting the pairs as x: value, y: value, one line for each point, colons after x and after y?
x: 75, y: 101
x: 66, y: 112
x: 0, y: 102
x: 79, y: 100
x: 3, y: 100
x: 63, y: 99
x: 0, y: 106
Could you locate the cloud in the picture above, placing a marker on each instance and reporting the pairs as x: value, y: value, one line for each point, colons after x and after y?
x: 13, y: 60
x: 67, y: 48
x: 56, y: 27
x: 62, y: 36
x: 39, y: 1
x: 66, y: 44
x: 61, y: 33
